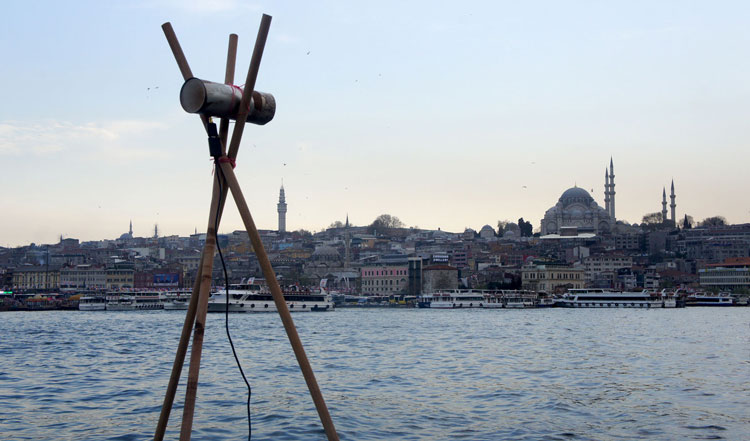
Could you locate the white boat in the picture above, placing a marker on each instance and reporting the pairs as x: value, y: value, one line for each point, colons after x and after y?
x: 452, y: 299
x: 519, y: 303
x: 176, y: 300
x: 600, y: 298
x: 708, y: 299
x: 248, y: 297
x: 134, y: 301
x: 92, y: 303
x: 176, y: 304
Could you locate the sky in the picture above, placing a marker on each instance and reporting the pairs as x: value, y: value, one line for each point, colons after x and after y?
x: 445, y: 114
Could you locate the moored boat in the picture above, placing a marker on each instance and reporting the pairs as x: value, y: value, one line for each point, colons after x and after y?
x: 92, y: 303
x: 600, y: 298
x: 708, y: 299
x: 249, y: 297
x: 452, y: 299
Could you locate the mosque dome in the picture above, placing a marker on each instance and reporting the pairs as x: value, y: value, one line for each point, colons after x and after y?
x: 575, y: 194
x: 576, y: 208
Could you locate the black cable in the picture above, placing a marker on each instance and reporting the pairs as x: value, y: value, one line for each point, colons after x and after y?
x: 220, y: 178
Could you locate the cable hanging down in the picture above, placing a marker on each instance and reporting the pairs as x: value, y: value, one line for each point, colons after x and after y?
x: 220, y: 179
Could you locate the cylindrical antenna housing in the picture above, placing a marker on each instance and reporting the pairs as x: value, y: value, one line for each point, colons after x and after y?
x: 223, y: 101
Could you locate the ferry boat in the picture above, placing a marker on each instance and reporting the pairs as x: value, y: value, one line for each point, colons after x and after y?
x: 92, y: 303
x: 519, y: 302
x: 249, y: 297
x: 452, y: 299
x: 600, y: 298
x: 176, y: 300
x: 134, y: 301
x: 708, y: 299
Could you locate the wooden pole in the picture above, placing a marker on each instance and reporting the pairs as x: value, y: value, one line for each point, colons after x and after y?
x: 252, y: 75
x: 200, y: 317
x: 228, y: 79
x: 179, y: 358
x: 278, y: 298
x: 187, y: 326
x: 179, y: 56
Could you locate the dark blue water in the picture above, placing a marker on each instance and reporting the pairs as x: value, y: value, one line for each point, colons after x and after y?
x: 556, y: 374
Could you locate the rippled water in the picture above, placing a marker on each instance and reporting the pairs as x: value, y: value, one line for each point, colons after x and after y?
x: 387, y: 374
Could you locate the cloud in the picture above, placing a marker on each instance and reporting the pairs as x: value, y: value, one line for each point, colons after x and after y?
x: 111, y: 139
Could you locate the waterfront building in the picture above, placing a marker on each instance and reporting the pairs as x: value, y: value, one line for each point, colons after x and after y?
x: 83, y: 277
x: 384, y: 279
x: 551, y: 277
x: 41, y: 277
x: 437, y: 277
x: 604, y: 267
x: 733, y: 274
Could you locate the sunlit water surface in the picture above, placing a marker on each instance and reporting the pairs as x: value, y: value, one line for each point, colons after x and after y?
x: 387, y: 374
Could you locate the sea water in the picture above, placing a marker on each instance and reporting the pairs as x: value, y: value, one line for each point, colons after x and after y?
x: 386, y: 374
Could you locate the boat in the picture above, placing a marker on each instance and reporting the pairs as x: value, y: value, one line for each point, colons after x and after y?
x: 709, y: 299
x: 250, y: 297
x: 92, y: 303
x: 176, y: 300
x: 519, y: 302
x: 452, y: 299
x: 134, y: 300
x: 600, y: 298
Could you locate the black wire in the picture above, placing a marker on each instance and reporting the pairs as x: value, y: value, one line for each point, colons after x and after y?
x: 220, y: 178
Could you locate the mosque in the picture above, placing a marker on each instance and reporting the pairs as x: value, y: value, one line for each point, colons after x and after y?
x: 576, y: 208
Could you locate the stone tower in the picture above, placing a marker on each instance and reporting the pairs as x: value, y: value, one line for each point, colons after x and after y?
x: 281, y: 208
x: 672, y: 205
x: 612, y: 190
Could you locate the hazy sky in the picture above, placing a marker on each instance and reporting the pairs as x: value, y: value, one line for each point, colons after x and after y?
x: 447, y: 115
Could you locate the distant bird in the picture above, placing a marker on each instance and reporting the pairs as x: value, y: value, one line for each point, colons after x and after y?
x: 308, y: 52
x: 285, y: 164
x: 524, y: 186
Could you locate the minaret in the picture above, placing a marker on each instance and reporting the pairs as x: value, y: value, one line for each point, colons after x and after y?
x: 612, y: 189
x: 672, y: 205
x: 606, y: 191
x: 131, y: 228
x: 348, y: 241
x: 664, y: 205
x: 281, y: 208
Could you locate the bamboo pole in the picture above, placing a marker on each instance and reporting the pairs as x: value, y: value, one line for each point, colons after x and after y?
x: 187, y: 326
x: 281, y: 306
x: 200, y: 317
x: 179, y: 56
x: 252, y: 75
x: 179, y: 358
x: 228, y: 79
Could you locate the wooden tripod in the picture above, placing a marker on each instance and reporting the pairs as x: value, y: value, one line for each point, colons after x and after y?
x: 195, y: 318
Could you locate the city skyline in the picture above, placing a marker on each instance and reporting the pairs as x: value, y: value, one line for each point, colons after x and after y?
x: 445, y: 117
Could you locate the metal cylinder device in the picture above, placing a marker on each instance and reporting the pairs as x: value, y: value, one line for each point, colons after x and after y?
x: 223, y: 101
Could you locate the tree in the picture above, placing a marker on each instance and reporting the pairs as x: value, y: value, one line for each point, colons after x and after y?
x: 527, y: 230
x: 337, y: 224
x: 652, y: 218
x: 501, y: 225
x: 688, y: 222
x: 714, y: 221
x: 385, y: 222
